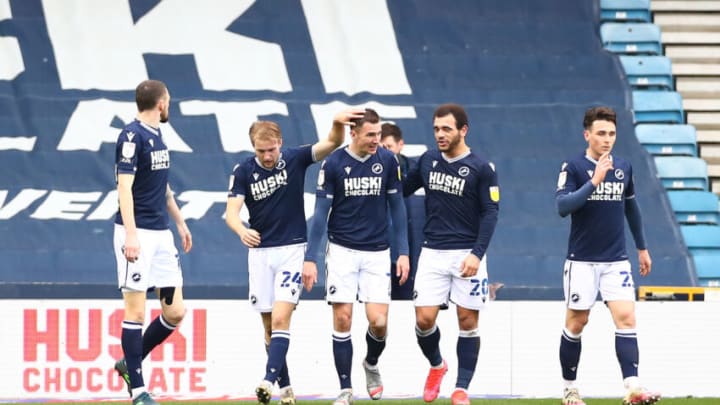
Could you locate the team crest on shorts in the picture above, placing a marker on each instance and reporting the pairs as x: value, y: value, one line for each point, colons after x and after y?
x: 136, y: 277
x: 575, y: 297
x: 332, y: 289
x: 253, y: 299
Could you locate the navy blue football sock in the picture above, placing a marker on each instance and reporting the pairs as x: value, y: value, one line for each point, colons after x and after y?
x: 131, y: 342
x: 156, y: 333
x: 343, y: 353
x: 628, y: 355
x: 375, y: 347
x: 570, y: 348
x: 429, y: 342
x: 277, y: 351
x: 468, y: 348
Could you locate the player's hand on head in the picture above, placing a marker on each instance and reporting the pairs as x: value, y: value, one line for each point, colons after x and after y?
x: 344, y: 117
x: 309, y: 275
x: 470, y: 266
x: 131, y: 248
x: 250, y: 238
x: 402, y: 268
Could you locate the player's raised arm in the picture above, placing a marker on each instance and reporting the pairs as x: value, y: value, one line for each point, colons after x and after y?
x: 176, y: 215
x: 337, y: 134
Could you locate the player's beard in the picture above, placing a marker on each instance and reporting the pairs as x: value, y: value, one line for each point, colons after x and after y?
x: 164, y: 116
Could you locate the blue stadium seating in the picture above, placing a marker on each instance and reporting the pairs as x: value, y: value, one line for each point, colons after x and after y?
x: 668, y: 139
x: 707, y: 266
x: 631, y: 38
x: 658, y: 106
x: 701, y: 238
x: 625, y: 10
x: 648, y: 72
x: 694, y: 206
x: 682, y: 172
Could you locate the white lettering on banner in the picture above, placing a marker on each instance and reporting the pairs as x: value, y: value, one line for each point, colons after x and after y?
x: 89, y: 126
x: 106, y: 209
x: 19, y: 203
x: 97, y: 46
x: 342, y: 54
x: 23, y: 143
x: 62, y: 347
x: 5, y: 10
x: 234, y: 118
x: 12, y: 61
x: 199, y: 202
x: 63, y: 205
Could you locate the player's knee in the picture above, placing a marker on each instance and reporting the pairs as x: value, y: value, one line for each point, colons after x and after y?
x: 424, y: 322
x: 343, y: 321
x: 175, y: 314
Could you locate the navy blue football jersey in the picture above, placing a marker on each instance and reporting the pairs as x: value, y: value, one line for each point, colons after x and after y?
x: 597, y: 232
x: 358, y: 188
x: 140, y: 151
x: 459, y: 192
x: 274, y: 196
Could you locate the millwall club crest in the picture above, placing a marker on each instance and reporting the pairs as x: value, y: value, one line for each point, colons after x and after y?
x: 377, y: 168
x: 619, y: 174
x: 280, y: 164
x: 464, y: 171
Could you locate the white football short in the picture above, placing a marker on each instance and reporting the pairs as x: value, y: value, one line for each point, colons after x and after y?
x: 583, y: 280
x: 275, y: 274
x: 438, y: 278
x: 157, y: 266
x: 357, y: 275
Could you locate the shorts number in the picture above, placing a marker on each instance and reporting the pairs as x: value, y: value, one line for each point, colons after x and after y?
x: 479, y: 287
x: 290, y: 277
x: 626, y: 281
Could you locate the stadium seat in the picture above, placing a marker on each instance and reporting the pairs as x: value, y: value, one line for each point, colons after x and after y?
x: 682, y: 172
x: 694, y: 207
x: 648, y: 72
x: 707, y: 267
x: 667, y: 139
x: 701, y: 239
x: 658, y: 107
x: 625, y: 10
x: 631, y: 38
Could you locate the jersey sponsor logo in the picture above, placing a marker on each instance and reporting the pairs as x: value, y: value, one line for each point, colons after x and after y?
x: 266, y: 187
x: 160, y: 159
x: 446, y: 183
x: 608, y: 191
x: 362, y: 186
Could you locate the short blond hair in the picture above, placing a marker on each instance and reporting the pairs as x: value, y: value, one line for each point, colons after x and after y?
x: 266, y: 130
